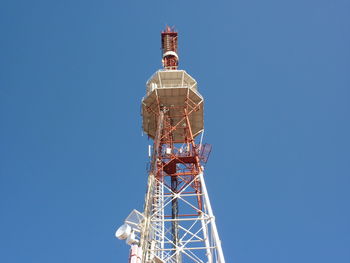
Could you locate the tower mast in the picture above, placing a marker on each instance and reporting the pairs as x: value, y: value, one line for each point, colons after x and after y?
x: 178, y: 224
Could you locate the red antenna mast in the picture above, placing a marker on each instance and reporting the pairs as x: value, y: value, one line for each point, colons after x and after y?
x: 169, y: 48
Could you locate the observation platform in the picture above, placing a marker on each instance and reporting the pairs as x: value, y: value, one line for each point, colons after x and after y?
x: 172, y: 91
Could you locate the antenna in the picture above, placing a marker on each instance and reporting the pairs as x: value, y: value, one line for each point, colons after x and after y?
x: 169, y: 48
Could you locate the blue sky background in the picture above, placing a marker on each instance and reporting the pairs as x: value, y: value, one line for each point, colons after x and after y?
x: 275, y: 76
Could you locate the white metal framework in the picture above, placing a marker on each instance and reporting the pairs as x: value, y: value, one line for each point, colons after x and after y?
x: 198, y: 239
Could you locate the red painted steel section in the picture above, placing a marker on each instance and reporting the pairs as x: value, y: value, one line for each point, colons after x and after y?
x: 169, y: 48
x: 180, y: 161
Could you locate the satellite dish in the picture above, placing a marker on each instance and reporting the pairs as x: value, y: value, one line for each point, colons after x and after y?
x: 131, y: 240
x: 123, y: 232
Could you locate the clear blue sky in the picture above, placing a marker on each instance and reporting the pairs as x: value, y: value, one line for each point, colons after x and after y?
x: 275, y: 76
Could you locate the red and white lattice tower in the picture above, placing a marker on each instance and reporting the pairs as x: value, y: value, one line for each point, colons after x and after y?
x: 178, y: 224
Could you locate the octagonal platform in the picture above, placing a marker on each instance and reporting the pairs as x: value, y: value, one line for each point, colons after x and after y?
x: 175, y: 91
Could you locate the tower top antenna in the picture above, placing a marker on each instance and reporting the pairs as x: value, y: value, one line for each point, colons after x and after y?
x: 169, y: 48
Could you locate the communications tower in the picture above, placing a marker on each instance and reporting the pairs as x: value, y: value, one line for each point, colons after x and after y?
x: 177, y: 224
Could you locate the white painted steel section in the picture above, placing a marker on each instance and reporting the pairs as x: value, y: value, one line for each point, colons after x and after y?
x: 221, y: 258
x: 170, y: 53
x: 207, y: 242
x: 194, y: 231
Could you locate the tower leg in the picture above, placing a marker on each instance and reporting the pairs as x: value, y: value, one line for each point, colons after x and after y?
x: 174, y: 215
x: 217, y: 240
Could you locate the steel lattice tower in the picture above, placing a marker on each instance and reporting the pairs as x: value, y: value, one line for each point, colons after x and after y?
x: 178, y: 224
